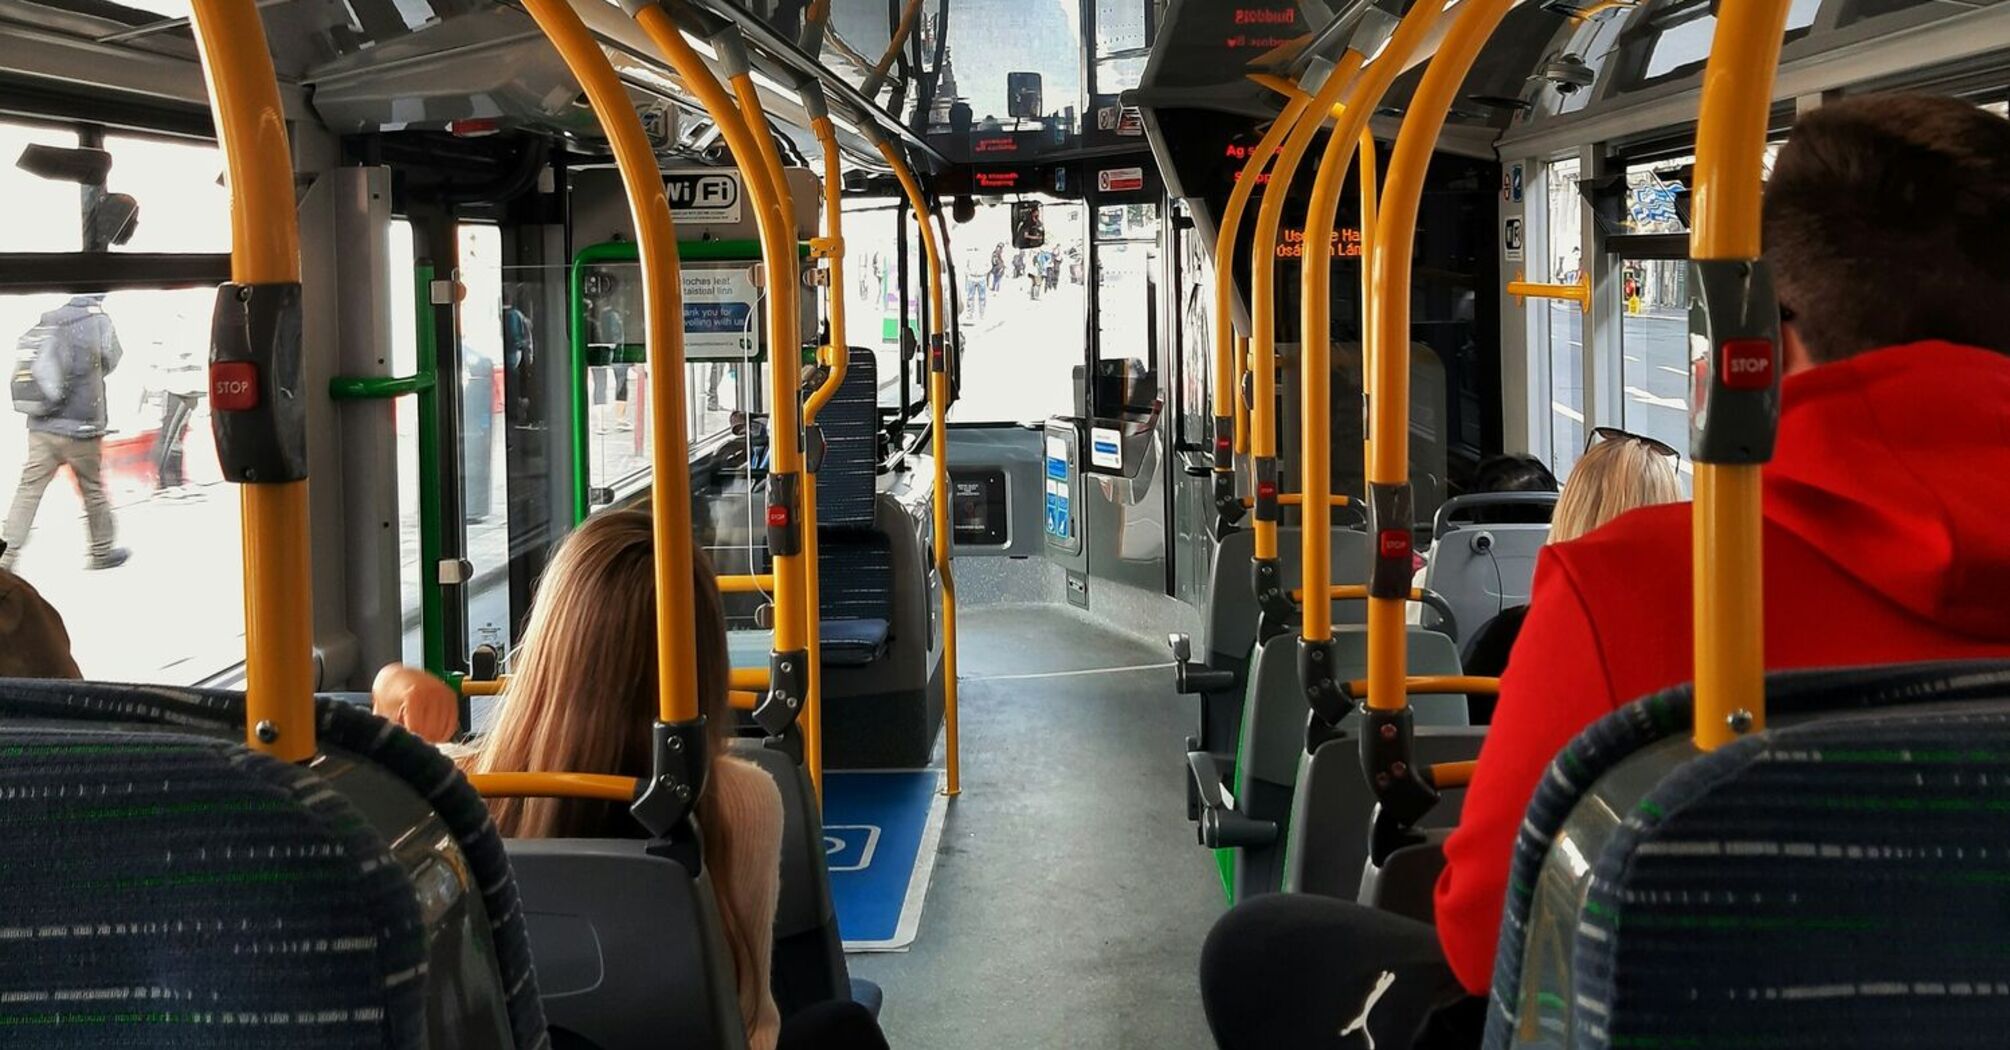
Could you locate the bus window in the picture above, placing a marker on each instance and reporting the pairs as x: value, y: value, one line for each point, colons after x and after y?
x: 173, y: 612
x: 43, y: 215
x: 1562, y: 322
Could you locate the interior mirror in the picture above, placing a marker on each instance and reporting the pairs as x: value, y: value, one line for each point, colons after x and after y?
x: 1029, y: 230
x: 85, y: 166
x: 1022, y: 96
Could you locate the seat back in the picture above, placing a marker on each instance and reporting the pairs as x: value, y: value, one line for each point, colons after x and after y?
x: 1482, y: 569
x: 1836, y: 879
x: 1274, y: 721
x: 808, y: 965
x: 1334, y: 809
x: 854, y: 560
x: 180, y: 890
x: 1228, y: 621
x: 628, y: 946
x: 846, y: 480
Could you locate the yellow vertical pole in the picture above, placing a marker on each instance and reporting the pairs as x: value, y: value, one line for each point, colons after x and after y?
x: 838, y: 356
x: 1231, y: 349
x: 1315, y: 371
x: 264, y: 250
x: 1729, y: 598
x: 752, y: 147
x: 938, y: 407
x: 663, y: 341
x: 1368, y: 207
x: 1395, y: 237
x: 1263, y: 299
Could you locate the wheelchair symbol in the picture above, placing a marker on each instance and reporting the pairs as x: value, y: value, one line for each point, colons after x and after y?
x: 850, y: 847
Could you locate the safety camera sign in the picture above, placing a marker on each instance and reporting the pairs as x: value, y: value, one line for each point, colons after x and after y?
x: 703, y: 197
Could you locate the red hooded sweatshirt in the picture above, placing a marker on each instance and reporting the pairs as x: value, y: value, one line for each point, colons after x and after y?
x: 1887, y: 540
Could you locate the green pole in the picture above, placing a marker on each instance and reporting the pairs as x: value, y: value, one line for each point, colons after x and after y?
x: 424, y: 384
x: 432, y: 598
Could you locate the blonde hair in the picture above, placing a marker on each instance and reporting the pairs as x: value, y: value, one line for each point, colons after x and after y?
x: 1615, y: 476
x: 582, y: 695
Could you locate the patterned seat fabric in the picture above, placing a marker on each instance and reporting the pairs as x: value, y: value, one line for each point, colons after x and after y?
x: 1827, y: 882
x: 856, y: 562
x: 167, y: 887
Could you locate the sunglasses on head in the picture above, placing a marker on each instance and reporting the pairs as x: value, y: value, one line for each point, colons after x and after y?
x: 1603, y: 434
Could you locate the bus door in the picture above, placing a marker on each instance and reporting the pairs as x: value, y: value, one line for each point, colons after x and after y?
x: 1122, y: 396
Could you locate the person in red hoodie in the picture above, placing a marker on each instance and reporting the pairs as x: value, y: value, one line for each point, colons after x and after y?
x: 1887, y: 539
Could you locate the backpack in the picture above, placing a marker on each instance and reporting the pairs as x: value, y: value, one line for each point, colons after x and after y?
x: 39, y: 390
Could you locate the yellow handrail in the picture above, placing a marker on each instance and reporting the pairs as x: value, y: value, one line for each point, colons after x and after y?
x: 1579, y: 293
x: 484, y: 686
x: 758, y: 583
x: 1294, y: 499
x: 1729, y: 596
x: 754, y: 148
x: 264, y: 250
x: 1262, y: 285
x: 900, y: 34
x: 1351, y: 592
x: 938, y: 407
x: 837, y: 356
x: 1230, y: 348
x: 1437, y: 683
x: 663, y: 341
x: 1315, y: 373
x: 1389, y: 381
x: 554, y: 785
x: 1450, y: 774
x: 755, y: 678
x: 1369, y: 178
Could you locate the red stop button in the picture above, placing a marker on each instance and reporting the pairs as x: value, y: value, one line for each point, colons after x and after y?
x: 1393, y: 543
x: 1745, y: 364
x: 778, y: 516
x: 233, y: 386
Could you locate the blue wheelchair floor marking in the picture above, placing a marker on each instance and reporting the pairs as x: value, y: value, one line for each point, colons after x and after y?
x: 880, y: 834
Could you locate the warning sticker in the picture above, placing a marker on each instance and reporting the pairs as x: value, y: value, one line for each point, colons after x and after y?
x: 1120, y: 180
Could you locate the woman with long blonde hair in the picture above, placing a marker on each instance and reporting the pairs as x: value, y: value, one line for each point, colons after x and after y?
x: 1621, y: 471
x: 582, y: 699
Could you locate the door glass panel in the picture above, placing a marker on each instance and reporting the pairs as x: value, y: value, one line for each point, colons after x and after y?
x: 484, y: 479
x: 1127, y: 251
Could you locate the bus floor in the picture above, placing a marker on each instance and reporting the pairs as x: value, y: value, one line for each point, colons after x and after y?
x: 1069, y: 900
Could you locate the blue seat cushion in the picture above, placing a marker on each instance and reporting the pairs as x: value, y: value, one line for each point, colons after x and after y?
x: 850, y: 643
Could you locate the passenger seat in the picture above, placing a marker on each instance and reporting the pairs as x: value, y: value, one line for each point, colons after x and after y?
x: 855, y: 559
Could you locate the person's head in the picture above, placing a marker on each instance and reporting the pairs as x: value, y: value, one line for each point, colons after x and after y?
x: 1620, y: 473
x: 1886, y: 218
x: 582, y: 698
x: 33, y: 641
x: 1512, y: 473
x: 582, y: 695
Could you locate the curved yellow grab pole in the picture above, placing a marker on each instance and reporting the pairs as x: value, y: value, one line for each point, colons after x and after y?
x: 1729, y: 599
x: 1263, y: 298
x: 938, y: 407
x: 753, y: 147
x: 836, y: 355
x: 900, y: 34
x: 1315, y: 372
x: 1369, y: 177
x: 264, y: 251
x: 1389, y: 382
x: 663, y: 341
x: 1231, y: 420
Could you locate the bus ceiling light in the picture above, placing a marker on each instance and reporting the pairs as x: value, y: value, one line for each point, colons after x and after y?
x: 699, y: 44
x: 777, y: 87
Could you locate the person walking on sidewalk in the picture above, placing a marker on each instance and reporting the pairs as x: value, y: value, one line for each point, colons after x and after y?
x: 59, y: 384
x: 182, y: 385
